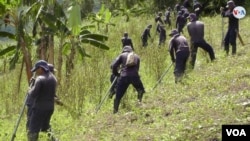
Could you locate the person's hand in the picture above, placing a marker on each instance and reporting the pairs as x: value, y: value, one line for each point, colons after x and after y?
x: 117, y: 74
x: 221, y: 9
x: 32, y: 80
x: 58, y: 101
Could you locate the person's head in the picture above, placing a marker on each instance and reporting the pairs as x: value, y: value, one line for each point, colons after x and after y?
x: 127, y: 49
x: 51, y: 68
x: 40, y: 67
x: 230, y: 5
x: 150, y: 26
x: 125, y: 34
x: 174, y: 32
x: 160, y: 14
x: 192, y: 17
x: 179, y: 12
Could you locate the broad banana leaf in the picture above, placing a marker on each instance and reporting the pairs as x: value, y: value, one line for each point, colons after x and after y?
x: 7, y: 50
x: 95, y: 43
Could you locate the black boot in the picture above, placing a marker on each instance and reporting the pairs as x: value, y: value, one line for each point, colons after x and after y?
x: 32, y: 136
x: 227, y: 49
x: 116, y: 105
x: 140, y: 95
x: 233, y: 49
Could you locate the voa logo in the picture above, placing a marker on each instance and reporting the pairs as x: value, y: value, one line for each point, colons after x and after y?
x: 236, y: 132
x: 239, y: 12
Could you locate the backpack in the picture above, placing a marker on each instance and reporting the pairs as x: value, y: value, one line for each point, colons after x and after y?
x: 131, y: 59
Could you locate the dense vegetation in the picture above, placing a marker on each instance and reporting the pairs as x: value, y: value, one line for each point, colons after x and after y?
x: 211, y: 95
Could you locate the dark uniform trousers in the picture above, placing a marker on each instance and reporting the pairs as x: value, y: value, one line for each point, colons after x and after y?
x: 122, y: 85
x: 204, y: 45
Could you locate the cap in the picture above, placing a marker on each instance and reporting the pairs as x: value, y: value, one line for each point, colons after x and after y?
x: 127, y: 49
x: 41, y: 63
x: 192, y: 17
x: 230, y: 3
x: 125, y: 34
x: 174, y: 32
x: 51, y: 68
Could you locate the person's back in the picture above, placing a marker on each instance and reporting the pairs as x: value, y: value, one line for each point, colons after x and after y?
x: 45, y: 91
x: 121, y: 60
x: 126, y: 41
x: 196, y: 30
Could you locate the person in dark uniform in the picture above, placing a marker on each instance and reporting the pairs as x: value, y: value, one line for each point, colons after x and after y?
x: 162, y: 35
x: 180, y: 22
x: 159, y: 21
x: 127, y: 41
x: 233, y: 27
x: 186, y: 4
x: 179, y: 52
x: 145, y: 35
x: 43, y: 93
x: 197, y: 8
x: 128, y: 75
x: 167, y: 19
x: 196, y: 32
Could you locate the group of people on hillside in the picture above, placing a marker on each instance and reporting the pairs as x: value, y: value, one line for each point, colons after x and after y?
x: 179, y: 49
x: 125, y: 68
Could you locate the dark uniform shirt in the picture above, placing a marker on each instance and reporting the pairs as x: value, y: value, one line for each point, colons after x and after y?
x: 126, y: 41
x: 233, y: 23
x: 121, y: 60
x: 177, y: 43
x: 196, y: 31
x: 44, y: 91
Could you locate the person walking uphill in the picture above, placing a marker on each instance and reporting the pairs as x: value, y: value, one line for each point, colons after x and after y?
x: 43, y: 93
x: 145, y: 35
x: 233, y: 27
x: 127, y: 41
x: 196, y: 32
x: 129, y: 74
x: 179, y: 52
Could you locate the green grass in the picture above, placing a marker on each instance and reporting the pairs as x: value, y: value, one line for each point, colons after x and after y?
x: 210, y: 95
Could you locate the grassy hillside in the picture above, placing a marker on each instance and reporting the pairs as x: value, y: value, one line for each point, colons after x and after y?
x: 212, y: 94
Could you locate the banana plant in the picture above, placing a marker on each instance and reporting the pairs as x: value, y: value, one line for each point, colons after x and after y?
x: 72, y: 35
x: 102, y: 17
x: 137, y: 10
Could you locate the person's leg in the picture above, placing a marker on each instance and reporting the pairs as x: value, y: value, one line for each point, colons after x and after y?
x: 232, y: 40
x: 226, y: 42
x: 205, y: 46
x: 122, y: 85
x: 29, y: 112
x: 180, y: 64
x: 194, y: 49
x: 35, y: 124
x: 138, y: 85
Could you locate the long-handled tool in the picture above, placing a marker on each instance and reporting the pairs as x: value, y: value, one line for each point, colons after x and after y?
x: 241, y: 41
x: 222, y: 32
x: 162, y: 76
x: 106, y: 95
x: 22, y: 110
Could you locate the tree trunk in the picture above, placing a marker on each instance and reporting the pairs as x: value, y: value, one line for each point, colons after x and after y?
x: 60, y: 61
x: 51, y: 49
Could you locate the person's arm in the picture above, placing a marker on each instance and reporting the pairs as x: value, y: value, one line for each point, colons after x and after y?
x: 116, y: 64
x: 171, y: 50
x: 34, y: 91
